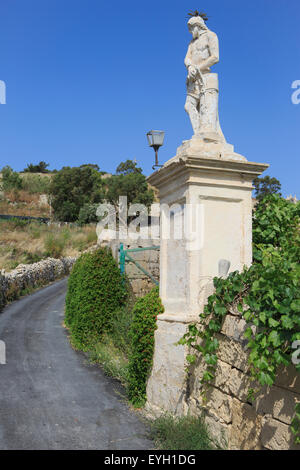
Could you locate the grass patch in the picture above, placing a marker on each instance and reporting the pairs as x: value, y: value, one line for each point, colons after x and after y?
x: 26, y: 242
x: 111, y: 352
x: 180, y: 433
x: 112, y: 360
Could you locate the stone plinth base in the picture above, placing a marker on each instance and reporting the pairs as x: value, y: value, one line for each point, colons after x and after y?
x: 166, y: 385
x: 198, y: 146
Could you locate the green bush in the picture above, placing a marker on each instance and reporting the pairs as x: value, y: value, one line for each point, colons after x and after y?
x: 71, y: 188
x: 276, y: 223
x: 10, y: 179
x: 40, y: 168
x: 141, y: 337
x: 87, y: 214
x: 95, y: 292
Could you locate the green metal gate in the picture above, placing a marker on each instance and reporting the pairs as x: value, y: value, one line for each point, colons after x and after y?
x: 124, y: 256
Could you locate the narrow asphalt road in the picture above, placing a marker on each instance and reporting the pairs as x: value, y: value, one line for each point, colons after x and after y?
x: 50, y: 397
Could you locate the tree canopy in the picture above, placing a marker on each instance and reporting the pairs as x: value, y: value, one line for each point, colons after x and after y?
x: 266, y: 185
x: 71, y: 188
x: 78, y: 190
x: 39, y: 168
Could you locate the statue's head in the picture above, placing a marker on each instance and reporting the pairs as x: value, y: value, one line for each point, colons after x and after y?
x: 196, y: 24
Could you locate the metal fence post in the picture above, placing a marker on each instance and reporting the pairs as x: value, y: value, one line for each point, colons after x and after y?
x: 122, y: 260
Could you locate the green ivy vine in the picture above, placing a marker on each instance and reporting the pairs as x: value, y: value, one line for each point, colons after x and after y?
x: 141, y: 335
x: 267, y: 296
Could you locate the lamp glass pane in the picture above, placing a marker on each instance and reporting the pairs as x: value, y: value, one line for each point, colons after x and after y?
x: 149, y: 137
x: 158, y: 138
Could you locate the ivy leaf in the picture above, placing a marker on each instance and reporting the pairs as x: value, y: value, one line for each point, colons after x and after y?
x: 248, y: 333
x: 295, y: 305
x: 274, y: 338
x: 287, y: 322
x: 211, y: 359
x: 263, y: 342
x: 191, y: 358
x: 207, y: 376
x: 240, y: 307
x: 279, y: 358
x: 273, y: 323
x: 265, y: 379
x: 263, y: 317
x: 220, y: 310
x: 248, y: 315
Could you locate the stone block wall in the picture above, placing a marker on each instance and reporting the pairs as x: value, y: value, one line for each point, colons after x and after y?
x: 27, y: 276
x: 141, y: 283
x: 231, y: 418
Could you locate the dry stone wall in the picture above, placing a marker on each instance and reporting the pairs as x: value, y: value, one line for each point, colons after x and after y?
x: 29, y: 276
x: 236, y: 422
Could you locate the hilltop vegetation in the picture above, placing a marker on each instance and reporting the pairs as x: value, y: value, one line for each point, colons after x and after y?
x: 77, y: 191
x: 74, y: 192
x: 22, y: 242
x: 71, y: 195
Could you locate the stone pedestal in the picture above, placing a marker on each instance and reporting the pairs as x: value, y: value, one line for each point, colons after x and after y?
x: 215, y: 184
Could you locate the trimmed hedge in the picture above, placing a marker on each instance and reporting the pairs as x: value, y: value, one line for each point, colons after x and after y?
x: 141, y: 336
x: 95, y: 292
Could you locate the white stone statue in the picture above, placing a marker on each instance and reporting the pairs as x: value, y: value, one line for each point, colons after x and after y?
x: 202, y: 85
x: 202, y: 99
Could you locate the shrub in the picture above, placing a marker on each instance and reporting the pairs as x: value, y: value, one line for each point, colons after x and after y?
x: 54, y: 245
x: 71, y: 188
x: 10, y: 179
x: 95, y: 292
x: 87, y: 214
x: 40, y: 168
x: 276, y: 223
x: 141, y: 336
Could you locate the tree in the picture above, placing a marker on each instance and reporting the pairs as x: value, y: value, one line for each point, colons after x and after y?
x: 266, y: 185
x: 90, y: 165
x: 127, y: 168
x: 128, y: 181
x: 40, y: 168
x: 88, y: 214
x: 83, y: 187
x: 71, y: 188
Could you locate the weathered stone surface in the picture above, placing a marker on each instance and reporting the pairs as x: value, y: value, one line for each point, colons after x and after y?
x: 219, y: 404
x: 218, y: 430
x: 246, y: 427
x: 233, y: 352
x: 278, y: 403
x: 232, y: 381
x: 276, y: 435
x: 228, y: 379
x: 166, y: 387
x: 141, y: 287
x: 234, y: 328
x: 288, y: 378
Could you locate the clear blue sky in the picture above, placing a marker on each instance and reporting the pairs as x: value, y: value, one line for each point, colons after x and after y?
x: 86, y: 79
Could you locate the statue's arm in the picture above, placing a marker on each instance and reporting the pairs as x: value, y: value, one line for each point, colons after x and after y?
x: 188, y: 58
x: 214, y: 52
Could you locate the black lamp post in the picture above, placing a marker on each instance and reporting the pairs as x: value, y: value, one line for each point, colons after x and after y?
x: 156, y: 140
